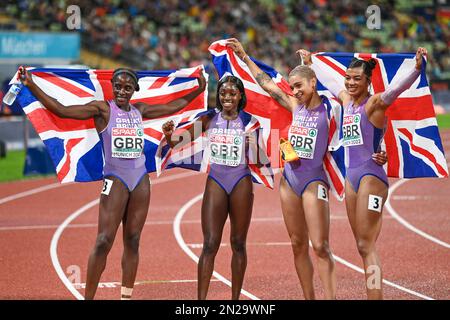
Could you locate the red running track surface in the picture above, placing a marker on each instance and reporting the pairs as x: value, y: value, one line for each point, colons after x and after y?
x: 28, y: 224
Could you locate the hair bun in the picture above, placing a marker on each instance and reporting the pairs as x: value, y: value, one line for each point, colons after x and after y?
x: 372, y: 63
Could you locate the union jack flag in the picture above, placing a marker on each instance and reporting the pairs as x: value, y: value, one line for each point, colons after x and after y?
x: 195, y: 154
x: 275, y: 120
x: 74, y: 145
x: 412, y: 139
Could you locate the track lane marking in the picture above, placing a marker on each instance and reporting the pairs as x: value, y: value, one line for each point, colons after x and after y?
x: 191, y: 254
x: 405, y: 223
x: 56, y: 236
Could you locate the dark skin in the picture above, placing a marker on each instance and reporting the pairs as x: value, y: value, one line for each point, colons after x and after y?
x: 120, y: 205
x: 218, y: 205
x: 306, y: 217
x: 366, y: 226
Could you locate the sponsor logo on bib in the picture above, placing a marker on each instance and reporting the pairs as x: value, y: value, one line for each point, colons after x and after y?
x: 352, y: 130
x: 303, y: 141
x: 226, y: 149
x: 127, y: 143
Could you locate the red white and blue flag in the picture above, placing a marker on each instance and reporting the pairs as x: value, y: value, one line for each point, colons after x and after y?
x: 275, y: 120
x: 74, y: 145
x: 412, y: 139
x: 195, y: 154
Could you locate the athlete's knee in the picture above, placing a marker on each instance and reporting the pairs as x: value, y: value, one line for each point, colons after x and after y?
x: 364, y: 247
x: 238, y: 245
x: 211, y: 246
x: 103, y: 244
x: 322, y: 249
x: 299, y: 245
x: 131, y: 242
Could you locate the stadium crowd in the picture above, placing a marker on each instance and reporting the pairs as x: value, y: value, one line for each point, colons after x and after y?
x: 169, y: 34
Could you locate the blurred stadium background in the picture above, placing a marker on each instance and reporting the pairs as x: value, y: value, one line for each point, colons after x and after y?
x: 171, y: 34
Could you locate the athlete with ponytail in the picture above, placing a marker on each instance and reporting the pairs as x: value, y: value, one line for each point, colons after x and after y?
x: 366, y: 186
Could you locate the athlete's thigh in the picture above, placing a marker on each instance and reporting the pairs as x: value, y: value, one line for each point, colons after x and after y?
x: 137, y: 208
x: 293, y: 214
x: 317, y: 213
x: 350, y: 204
x: 372, y: 195
x: 214, y: 209
x: 113, y: 203
x: 241, y: 204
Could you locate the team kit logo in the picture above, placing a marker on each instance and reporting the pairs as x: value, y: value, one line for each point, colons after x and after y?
x: 303, y: 141
x: 351, y: 130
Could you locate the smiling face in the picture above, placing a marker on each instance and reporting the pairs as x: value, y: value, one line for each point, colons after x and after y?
x: 356, y: 82
x: 302, y: 88
x: 229, y: 97
x: 123, y: 88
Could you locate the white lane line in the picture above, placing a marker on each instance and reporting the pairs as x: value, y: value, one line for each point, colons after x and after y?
x: 405, y: 223
x: 389, y: 283
x: 54, y: 243
x: 31, y: 192
x: 160, y: 222
x: 57, y: 185
x: 117, y: 284
x: 54, y: 248
x: 188, y: 251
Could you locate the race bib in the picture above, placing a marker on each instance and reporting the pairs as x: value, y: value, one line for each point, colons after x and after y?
x: 303, y: 141
x: 226, y: 149
x: 352, y: 130
x: 127, y: 143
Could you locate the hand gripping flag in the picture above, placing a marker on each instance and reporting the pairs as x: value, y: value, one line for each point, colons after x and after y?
x: 276, y: 120
x: 194, y: 152
x: 74, y: 145
x: 412, y: 139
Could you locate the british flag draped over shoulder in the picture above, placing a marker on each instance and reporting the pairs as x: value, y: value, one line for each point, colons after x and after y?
x: 196, y: 154
x: 74, y: 145
x: 276, y: 120
x: 412, y: 139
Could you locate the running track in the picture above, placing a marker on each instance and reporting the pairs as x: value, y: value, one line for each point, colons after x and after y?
x: 46, y: 228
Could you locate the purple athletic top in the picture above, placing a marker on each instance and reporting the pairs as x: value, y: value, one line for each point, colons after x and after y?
x: 228, y: 151
x: 361, y: 137
x: 308, y: 135
x: 123, y: 139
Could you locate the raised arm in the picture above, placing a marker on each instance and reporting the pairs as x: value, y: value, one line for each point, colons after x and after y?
x: 160, y: 110
x: 378, y: 103
x: 93, y: 109
x: 262, y: 78
x: 336, y: 87
x: 199, y: 126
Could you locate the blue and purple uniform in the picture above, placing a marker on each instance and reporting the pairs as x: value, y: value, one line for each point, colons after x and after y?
x: 227, y: 151
x: 308, y: 135
x: 361, y: 140
x: 123, y: 145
